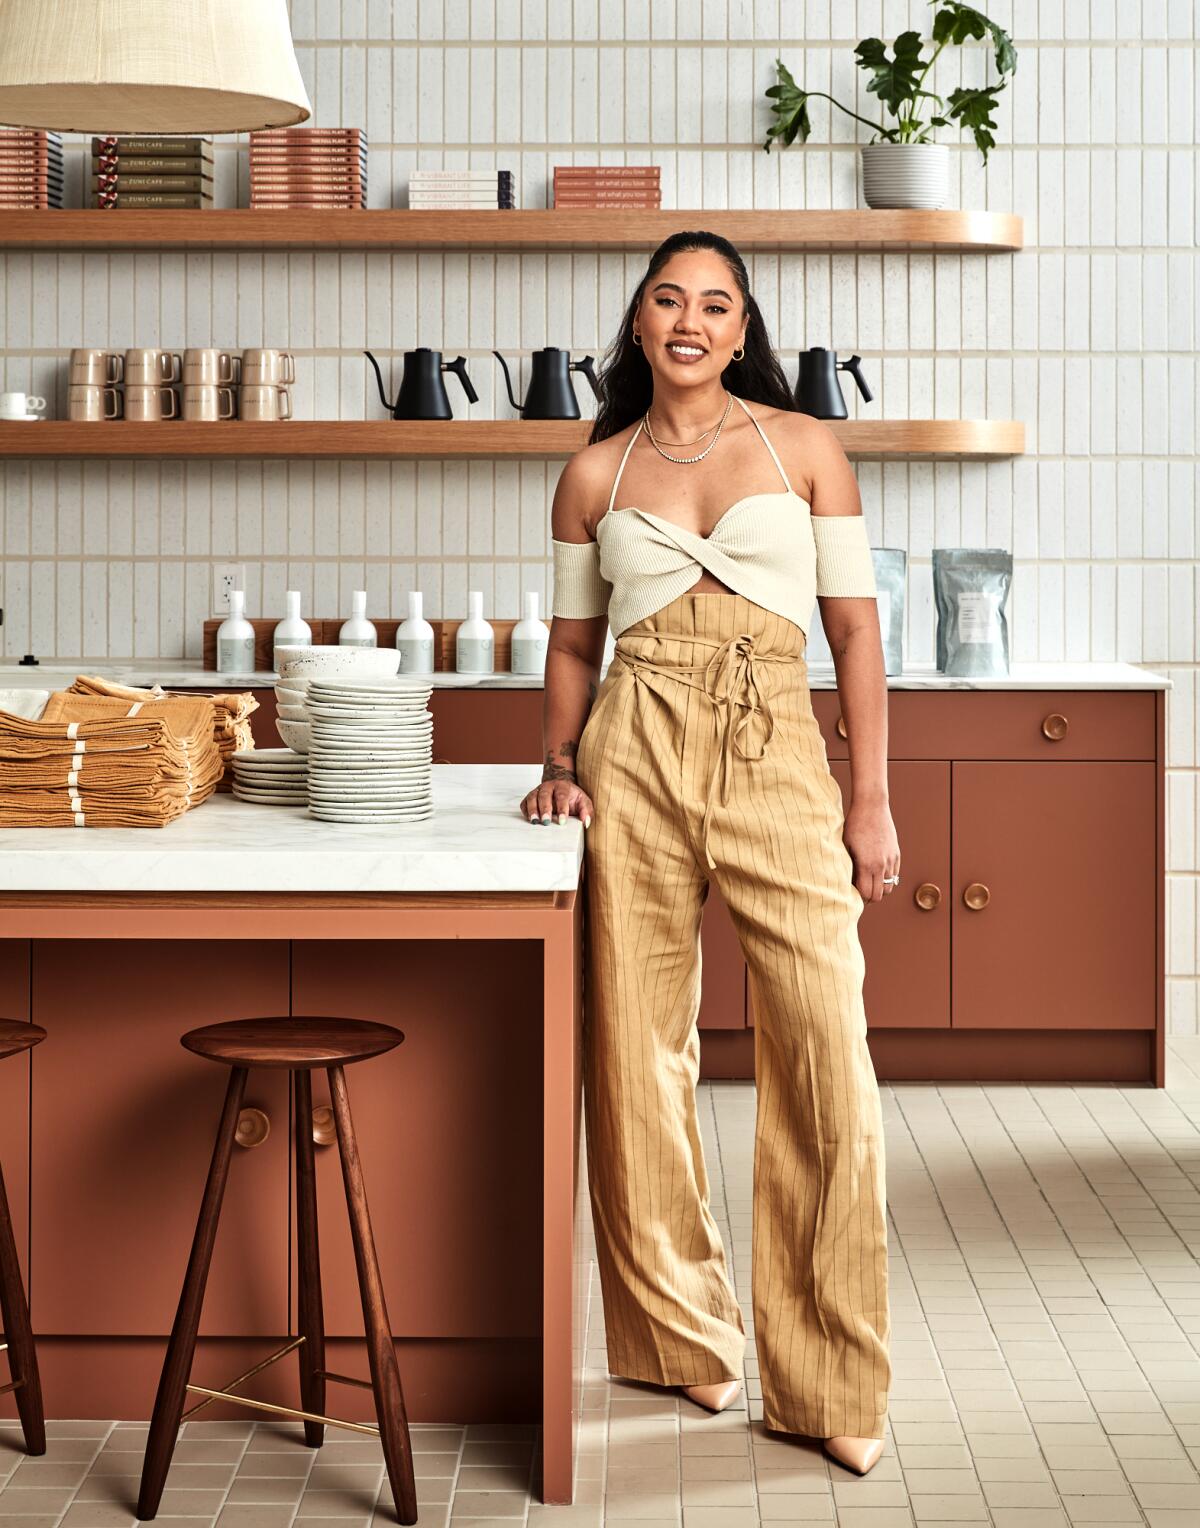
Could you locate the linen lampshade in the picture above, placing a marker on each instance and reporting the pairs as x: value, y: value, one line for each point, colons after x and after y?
x: 149, y: 66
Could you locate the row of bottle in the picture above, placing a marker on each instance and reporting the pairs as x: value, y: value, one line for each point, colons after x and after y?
x: 475, y: 643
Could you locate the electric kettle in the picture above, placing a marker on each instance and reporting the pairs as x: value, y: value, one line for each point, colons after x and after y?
x: 422, y: 392
x: 550, y: 395
x: 818, y: 391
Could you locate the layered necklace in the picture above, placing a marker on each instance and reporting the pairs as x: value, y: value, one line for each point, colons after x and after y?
x: 688, y: 459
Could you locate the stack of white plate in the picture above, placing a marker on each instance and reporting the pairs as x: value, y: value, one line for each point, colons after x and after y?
x: 370, y: 752
x: 270, y: 776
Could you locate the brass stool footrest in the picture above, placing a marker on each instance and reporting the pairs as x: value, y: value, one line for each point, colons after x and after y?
x: 3, y: 1347
x: 343, y: 1379
x: 286, y: 1411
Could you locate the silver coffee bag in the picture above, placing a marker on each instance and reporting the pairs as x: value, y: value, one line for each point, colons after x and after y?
x: 970, y: 590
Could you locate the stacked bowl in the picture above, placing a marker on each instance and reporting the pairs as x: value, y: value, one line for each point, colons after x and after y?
x: 299, y: 665
x: 370, y: 753
x: 365, y: 731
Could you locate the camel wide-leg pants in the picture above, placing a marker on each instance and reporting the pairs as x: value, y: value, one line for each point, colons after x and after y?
x: 688, y: 786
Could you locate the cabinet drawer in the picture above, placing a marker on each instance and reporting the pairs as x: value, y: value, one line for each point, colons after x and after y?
x: 1007, y: 724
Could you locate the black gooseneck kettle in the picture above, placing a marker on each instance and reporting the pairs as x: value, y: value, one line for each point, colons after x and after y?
x: 818, y: 391
x: 550, y: 395
x: 422, y: 392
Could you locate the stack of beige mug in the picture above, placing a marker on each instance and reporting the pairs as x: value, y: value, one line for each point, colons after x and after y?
x: 202, y: 383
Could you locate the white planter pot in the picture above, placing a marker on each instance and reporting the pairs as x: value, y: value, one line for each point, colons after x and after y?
x: 905, y: 174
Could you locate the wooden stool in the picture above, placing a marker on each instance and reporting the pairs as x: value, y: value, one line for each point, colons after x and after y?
x: 14, y: 1309
x: 298, y: 1044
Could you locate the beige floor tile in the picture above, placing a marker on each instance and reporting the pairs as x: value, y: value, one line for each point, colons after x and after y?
x: 15, y: 1503
x: 254, y: 1517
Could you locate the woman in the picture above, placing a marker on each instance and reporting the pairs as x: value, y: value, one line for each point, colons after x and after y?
x: 698, y: 760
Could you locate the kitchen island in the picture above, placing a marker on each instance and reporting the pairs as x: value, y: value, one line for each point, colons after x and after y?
x: 465, y: 932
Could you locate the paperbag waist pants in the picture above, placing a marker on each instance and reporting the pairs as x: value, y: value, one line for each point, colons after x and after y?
x: 704, y: 761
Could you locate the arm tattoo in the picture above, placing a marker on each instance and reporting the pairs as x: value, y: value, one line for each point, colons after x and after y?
x: 555, y: 771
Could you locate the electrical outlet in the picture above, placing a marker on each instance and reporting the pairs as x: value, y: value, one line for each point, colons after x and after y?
x: 226, y: 577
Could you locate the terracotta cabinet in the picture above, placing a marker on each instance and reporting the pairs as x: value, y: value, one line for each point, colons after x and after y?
x: 1053, y: 912
x: 1027, y: 931
x: 122, y: 1133
x: 15, y: 1075
x: 449, y: 1148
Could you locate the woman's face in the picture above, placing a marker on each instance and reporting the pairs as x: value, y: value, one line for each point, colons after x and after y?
x: 692, y: 304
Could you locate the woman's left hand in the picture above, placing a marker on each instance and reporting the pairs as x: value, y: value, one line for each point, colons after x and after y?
x: 870, y: 836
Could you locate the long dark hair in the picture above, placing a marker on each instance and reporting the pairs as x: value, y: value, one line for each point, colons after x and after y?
x: 625, y: 380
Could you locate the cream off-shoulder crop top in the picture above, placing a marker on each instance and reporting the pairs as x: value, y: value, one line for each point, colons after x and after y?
x: 768, y: 547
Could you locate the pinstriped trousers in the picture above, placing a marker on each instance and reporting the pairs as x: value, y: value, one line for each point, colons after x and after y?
x: 705, y: 761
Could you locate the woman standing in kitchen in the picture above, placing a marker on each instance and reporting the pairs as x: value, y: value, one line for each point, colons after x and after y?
x: 702, y: 522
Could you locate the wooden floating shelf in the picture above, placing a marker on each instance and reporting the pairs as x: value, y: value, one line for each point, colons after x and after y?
x: 359, y: 439
x: 574, y: 230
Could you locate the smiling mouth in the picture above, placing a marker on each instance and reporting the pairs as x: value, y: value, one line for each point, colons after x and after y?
x: 686, y: 352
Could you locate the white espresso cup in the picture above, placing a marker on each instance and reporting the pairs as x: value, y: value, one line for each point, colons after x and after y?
x: 264, y: 366
x: 207, y: 366
x: 101, y: 368
x: 148, y: 366
x: 146, y: 401
x: 20, y: 405
x: 87, y: 401
x: 260, y: 400
x: 204, y: 400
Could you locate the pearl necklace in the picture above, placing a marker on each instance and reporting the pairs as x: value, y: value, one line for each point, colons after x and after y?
x: 685, y: 460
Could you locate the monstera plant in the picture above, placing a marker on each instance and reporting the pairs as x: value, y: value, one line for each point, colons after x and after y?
x: 902, y: 166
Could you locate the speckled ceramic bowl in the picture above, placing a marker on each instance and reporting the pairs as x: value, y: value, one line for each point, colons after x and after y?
x: 337, y: 662
x: 294, y: 734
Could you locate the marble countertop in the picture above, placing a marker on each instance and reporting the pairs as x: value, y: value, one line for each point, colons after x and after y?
x: 477, y: 840
x: 176, y: 675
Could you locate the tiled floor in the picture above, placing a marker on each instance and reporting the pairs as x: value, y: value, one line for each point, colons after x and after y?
x: 1046, y: 1319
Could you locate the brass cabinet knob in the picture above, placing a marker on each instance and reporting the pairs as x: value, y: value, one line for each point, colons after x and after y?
x: 324, y: 1130
x: 841, y: 727
x: 977, y: 896
x: 253, y: 1127
x: 928, y: 896
x: 1055, y: 726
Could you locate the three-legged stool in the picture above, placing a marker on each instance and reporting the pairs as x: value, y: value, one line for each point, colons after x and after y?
x: 300, y: 1044
x: 25, y: 1383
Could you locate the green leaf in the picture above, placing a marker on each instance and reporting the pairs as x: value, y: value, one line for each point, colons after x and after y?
x: 957, y: 22
x: 973, y: 109
x: 893, y: 80
x: 790, y: 110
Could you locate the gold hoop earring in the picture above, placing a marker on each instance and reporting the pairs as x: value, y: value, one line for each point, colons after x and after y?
x: 636, y: 340
x: 735, y: 356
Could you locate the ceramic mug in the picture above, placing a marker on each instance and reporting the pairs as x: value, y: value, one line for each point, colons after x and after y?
x: 260, y: 400
x: 147, y: 401
x: 268, y: 366
x: 90, y: 402
x: 19, y: 405
x: 99, y: 368
x: 207, y: 366
x: 148, y: 367
x: 204, y: 400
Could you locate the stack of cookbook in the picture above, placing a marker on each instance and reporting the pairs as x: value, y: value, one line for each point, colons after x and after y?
x: 627, y: 185
x: 308, y: 167
x: 461, y: 190
x: 148, y: 171
x: 31, y: 169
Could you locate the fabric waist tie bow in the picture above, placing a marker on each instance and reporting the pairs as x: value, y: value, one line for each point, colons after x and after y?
x: 731, y: 681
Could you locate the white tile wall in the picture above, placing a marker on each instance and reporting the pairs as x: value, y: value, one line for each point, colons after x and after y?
x: 1089, y: 335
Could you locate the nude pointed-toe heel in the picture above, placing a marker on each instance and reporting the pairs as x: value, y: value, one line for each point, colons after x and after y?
x: 857, y: 1454
x: 714, y: 1397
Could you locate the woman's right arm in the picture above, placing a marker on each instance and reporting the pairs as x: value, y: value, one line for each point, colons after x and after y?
x: 573, y: 657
